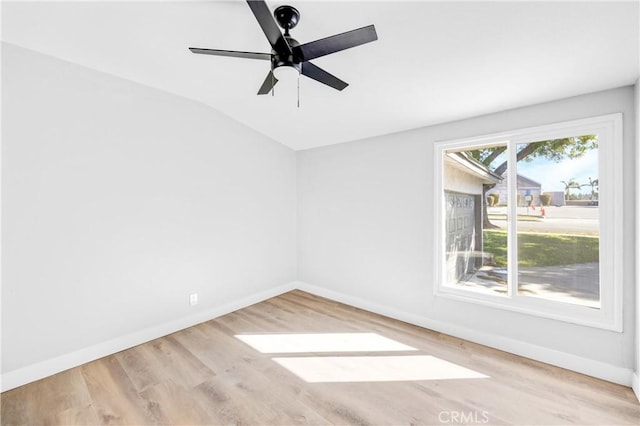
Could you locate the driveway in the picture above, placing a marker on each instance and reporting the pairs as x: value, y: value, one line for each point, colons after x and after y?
x: 578, y: 284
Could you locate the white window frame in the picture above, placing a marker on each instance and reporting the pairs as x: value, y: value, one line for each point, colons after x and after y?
x: 610, y: 146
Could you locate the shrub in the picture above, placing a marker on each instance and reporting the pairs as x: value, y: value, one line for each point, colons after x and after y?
x: 492, y: 199
x: 545, y: 199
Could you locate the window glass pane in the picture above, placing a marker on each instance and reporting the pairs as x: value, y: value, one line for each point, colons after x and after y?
x: 475, y: 223
x: 558, y: 220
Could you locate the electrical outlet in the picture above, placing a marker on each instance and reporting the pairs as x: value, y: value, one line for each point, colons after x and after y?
x: 193, y: 299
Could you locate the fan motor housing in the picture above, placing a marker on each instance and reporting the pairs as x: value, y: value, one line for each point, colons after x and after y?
x: 286, y: 60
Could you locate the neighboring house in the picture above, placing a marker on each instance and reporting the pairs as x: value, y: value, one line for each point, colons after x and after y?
x: 557, y: 198
x: 463, y: 180
x: 526, y: 188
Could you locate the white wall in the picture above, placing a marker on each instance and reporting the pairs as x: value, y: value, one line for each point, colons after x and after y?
x: 365, y: 220
x: 636, y: 379
x: 118, y: 201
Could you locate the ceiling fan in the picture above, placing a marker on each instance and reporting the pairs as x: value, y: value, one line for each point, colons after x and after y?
x: 287, y: 55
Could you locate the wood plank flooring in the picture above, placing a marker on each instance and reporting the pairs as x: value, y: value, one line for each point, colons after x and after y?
x: 206, y: 375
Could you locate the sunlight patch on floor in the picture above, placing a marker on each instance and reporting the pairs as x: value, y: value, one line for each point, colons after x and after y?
x: 332, y: 369
x: 322, y: 342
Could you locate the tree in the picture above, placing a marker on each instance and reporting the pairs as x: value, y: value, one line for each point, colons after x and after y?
x: 593, y: 183
x: 568, y: 185
x: 554, y: 149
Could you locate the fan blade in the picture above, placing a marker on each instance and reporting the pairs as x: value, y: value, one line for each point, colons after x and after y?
x: 336, y: 43
x: 268, y: 84
x: 322, y: 76
x: 233, y: 53
x: 268, y: 24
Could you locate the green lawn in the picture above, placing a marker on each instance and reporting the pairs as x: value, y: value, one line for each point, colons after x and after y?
x: 543, y: 249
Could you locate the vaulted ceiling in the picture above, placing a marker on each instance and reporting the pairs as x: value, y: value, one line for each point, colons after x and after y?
x: 434, y: 61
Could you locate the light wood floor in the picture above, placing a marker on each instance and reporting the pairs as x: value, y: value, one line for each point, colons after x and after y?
x: 205, y: 375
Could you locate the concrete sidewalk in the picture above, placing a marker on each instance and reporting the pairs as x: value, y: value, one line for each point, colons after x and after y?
x: 577, y: 284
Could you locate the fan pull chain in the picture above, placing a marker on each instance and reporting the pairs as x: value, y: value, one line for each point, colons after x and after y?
x: 298, y: 90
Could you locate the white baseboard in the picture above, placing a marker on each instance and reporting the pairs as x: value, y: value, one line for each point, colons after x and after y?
x: 636, y: 384
x: 30, y: 373
x: 15, y: 378
x: 572, y: 362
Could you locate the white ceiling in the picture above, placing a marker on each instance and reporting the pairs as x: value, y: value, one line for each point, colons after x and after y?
x: 434, y: 61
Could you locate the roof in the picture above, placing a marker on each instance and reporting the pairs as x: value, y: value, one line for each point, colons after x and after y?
x: 523, y: 181
x: 472, y: 166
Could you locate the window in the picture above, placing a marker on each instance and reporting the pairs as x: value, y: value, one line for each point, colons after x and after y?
x: 531, y: 220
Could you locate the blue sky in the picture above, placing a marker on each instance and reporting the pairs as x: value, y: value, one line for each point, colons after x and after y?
x: 550, y: 174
